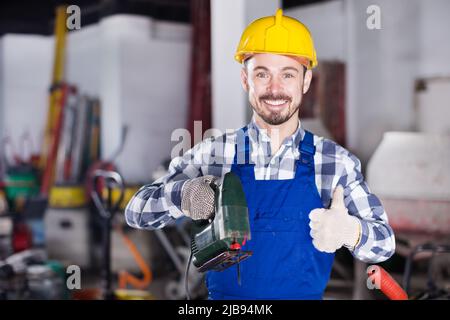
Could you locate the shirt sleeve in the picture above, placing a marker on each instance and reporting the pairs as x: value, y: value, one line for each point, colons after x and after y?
x: 155, y: 205
x: 377, y: 240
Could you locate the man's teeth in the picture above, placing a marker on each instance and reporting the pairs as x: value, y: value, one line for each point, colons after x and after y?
x: 275, y: 102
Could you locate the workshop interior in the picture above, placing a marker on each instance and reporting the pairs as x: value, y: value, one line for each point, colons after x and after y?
x: 94, y: 93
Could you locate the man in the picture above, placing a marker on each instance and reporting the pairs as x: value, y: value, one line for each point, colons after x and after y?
x: 306, y: 195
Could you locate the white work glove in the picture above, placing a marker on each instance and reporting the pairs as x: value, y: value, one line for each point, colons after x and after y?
x: 335, y: 227
x: 197, y: 198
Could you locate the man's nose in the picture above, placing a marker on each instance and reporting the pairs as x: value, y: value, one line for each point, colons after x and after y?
x: 275, y: 85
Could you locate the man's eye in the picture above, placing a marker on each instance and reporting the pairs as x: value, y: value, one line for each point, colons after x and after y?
x: 288, y: 75
x: 261, y: 75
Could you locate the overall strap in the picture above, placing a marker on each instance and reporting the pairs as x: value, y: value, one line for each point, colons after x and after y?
x: 307, y: 150
x: 242, y: 147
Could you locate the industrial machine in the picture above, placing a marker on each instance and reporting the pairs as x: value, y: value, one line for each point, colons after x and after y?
x: 409, y: 173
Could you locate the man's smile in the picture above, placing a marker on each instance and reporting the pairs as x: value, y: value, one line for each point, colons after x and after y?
x: 275, y: 104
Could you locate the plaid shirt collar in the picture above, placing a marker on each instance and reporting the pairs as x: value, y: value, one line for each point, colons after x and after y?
x: 259, y: 135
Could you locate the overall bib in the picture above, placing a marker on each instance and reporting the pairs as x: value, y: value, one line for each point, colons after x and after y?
x: 284, y: 264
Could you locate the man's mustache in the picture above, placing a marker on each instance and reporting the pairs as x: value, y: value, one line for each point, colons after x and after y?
x: 275, y: 97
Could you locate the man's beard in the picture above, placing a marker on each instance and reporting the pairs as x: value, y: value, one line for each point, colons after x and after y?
x: 276, y: 118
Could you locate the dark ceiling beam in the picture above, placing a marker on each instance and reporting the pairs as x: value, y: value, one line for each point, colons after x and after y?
x: 37, y: 16
x: 22, y: 16
x: 297, y: 3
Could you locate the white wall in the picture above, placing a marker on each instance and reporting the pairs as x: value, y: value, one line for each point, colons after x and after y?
x: 26, y: 76
x: 382, y: 65
x: 137, y: 66
x: 433, y: 37
x: 154, y: 92
x: 84, y: 59
x: 326, y: 22
x: 228, y: 99
x: 114, y: 58
x: 384, y: 91
x: 228, y: 21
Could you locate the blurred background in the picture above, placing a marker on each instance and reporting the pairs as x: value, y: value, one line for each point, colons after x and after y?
x: 102, y: 85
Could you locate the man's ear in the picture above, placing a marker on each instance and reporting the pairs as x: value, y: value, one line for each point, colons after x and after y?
x: 307, y: 80
x: 244, y: 78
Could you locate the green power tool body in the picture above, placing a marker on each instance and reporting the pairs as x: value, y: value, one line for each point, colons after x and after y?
x: 216, y: 243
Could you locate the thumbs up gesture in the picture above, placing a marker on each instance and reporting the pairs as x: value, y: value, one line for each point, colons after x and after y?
x: 333, y: 228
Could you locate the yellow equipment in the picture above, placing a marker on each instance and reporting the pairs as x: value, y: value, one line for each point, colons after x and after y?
x: 128, y: 193
x: 58, y: 93
x: 278, y: 35
x: 68, y: 196
x: 57, y: 78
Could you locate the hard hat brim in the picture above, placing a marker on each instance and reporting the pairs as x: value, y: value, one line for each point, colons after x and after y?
x: 309, y: 63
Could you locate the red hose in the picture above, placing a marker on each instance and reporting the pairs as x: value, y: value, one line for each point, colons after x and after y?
x: 388, y: 285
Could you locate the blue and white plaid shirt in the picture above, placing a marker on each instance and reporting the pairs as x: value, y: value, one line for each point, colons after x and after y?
x: 157, y: 204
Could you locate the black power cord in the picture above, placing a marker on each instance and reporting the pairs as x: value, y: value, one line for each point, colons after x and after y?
x: 186, y: 274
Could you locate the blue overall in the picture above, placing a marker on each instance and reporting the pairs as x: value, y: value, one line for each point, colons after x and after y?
x: 285, y: 264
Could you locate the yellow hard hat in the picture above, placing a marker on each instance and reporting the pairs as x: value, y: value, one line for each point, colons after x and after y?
x: 278, y: 35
